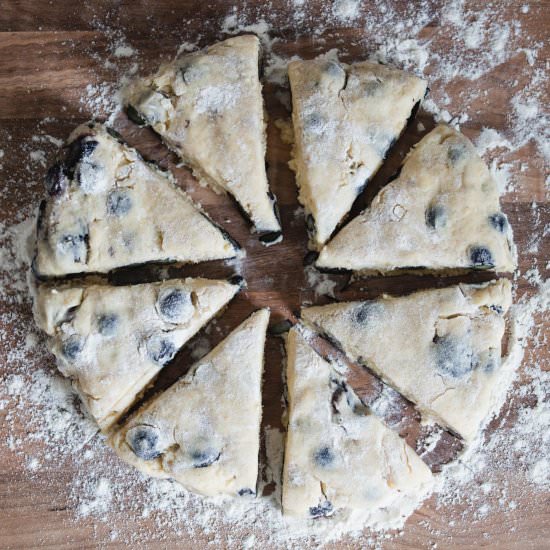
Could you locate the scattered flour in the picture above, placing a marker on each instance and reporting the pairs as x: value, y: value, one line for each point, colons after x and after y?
x: 495, y: 474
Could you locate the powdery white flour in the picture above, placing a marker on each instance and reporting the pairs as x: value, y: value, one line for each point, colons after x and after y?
x: 46, y: 428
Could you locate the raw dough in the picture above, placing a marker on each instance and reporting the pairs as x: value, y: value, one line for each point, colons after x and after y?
x: 340, y: 460
x: 439, y: 348
x: 441, y: 213
x: 207, y: 106
x: 346, y: 118
x: 109, y: 208
x: 204, y: 430
x: 112, y: 341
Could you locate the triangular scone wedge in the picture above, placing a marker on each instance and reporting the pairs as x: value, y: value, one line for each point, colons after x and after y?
x: 341, y: 460
x: 441, y: 213
x: 204, y: 430
x: 207, y: 106
x: 108, y: 208
x: 441, y: 348
x: 112, y: 341
x: 345, y: 118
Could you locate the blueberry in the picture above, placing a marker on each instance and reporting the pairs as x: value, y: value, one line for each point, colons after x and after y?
x: 363, y: 312
x: 271, y: 237
x: 499, y: 222
x: 107, y: 324
x: 324, y: 509
x: 202, y: 458
x: 175, y: 305
x: 456, y: 152
x: 313, y: 122
x: 119, y: 202
x: 480, y: 256
x: 497, y: 309
x: 56, y: 180
x: 453, y: 357
x: 324, y: 456
x: 72, y: 347
x: 144, y: 441
x: 435, y: 216
x: 78, y: 150
x: 246, y: 491
x: 75, y: 245
x: 160, y: 350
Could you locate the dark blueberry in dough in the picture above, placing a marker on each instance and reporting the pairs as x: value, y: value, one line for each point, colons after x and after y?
x: 202, y: 458
x: 435, y: 216
x: 456, y: 153
x: 497, y: 309
x: 313, y: 122
x: 56, y: 180
x: 107, y: 324
x: 324, y: 509
x: 78, y: 150
x: 160, y: 350
x: 136, y: 117
x: 72, y: 347
x: 453, y: 356
x: 324, y: 456
x: 246, y: 491
x: 499, y: 221
x: 75, y: 246
x: 270, y: 237
x: 144, y: 441
x: 480, y: 256
x: 362, y: 312
x: 119, y: 202
x: 175, y: 304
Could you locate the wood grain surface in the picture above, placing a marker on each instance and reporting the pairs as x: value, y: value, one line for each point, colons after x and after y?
x: 50, y: 52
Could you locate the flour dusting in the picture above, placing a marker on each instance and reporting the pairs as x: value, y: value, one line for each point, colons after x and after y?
x: 459, y: 48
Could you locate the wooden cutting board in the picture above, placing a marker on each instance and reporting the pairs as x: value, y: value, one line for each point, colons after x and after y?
x: 50, y: 52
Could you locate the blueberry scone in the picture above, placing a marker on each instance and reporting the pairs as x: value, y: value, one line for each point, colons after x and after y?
x: 190, y: 432
x: 340, y: 460
x: 345, y: 118
x: 108, y: 208
x: 207, y: 106
x: 442, y: 212
x: 112, y: 341
x: 441, y: 349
